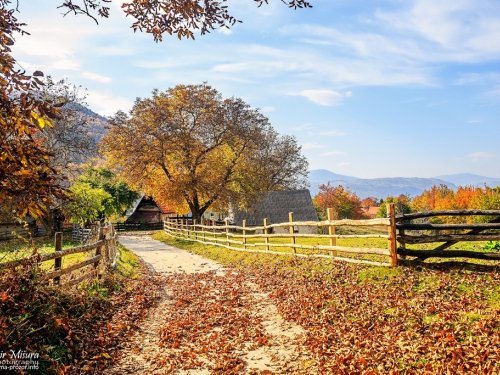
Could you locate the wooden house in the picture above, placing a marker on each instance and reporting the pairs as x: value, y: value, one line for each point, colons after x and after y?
x: 147, y: 210
x: 275, y: 206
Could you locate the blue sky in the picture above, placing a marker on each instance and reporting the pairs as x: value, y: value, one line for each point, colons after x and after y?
x: 369, y: 88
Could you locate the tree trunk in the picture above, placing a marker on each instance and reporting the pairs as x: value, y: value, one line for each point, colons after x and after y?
x: 196, y: 211
x: 48, y: 222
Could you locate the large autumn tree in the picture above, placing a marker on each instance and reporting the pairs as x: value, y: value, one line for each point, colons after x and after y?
x: 190, y: 148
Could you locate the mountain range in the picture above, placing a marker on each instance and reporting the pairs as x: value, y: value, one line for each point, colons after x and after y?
x: 382, y: 187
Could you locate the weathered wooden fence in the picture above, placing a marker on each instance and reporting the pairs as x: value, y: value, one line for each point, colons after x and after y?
x: 137, y: 226
x: 226, y: 236
x: 105, y: 254
x: 447, y: 234
x: 400, y: 229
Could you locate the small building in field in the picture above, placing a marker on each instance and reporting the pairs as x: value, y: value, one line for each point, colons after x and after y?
x: 147, y: 210
x: 275, y: 207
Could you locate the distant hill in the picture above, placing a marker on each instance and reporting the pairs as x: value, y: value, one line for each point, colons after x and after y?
x: 464, y: 179
x: 97, y: 123
x: 322, y: 176
x: 375, y: 187
x: 382, y: 187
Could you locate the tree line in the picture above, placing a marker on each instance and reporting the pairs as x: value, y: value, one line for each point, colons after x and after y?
x: 347, y: 205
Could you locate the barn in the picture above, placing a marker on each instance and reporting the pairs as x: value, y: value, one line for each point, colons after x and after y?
x: 147, y: 210
x: 275, y: 206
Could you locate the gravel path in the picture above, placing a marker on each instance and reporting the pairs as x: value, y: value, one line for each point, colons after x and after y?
x: 167, y: 259
x: 147, y: 352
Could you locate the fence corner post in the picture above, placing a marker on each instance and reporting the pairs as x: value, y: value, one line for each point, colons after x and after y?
x: 392, y: 234
x: 57, y: 261
x: 331, y: 231
x: 292, y: 233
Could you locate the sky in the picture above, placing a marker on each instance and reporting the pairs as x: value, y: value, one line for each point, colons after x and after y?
x: 396, y: 88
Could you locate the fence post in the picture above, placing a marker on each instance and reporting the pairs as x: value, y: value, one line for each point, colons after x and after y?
x: 203, y: 222
x: 194, y: 228
x: 114, y: 249
x: 98, y: 250
x: 401, y: 232
x: 215, y: 232
x: 265, y: 234
x: 182, y: 228
x: 57, y: 261
x: 292, y: 233
x: 226, y: 221
x: 244, y: 224
x: 392, y: 235
x: 331, y: 231
x: 106, y: 240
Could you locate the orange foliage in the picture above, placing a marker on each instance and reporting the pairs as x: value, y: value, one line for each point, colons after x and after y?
x: 467, y: 197
x: 346, y: 205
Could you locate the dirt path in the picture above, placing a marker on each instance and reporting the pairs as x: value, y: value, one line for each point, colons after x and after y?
x: 210, y: 321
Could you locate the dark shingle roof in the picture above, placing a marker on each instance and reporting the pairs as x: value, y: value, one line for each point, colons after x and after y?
x: 276, y: 205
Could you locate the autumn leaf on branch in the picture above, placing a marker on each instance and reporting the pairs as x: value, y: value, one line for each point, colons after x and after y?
x: 26, y: 176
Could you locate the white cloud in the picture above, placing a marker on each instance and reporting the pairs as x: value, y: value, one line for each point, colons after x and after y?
x: 477, y: 78
x: 473, y: 121
x: 268, y: 109
x: 225, y: 31
x: 333, y: 133
x: 96, y: 77
x: 482, y: 155
x: 332, y: 153
x: 413, y: 100
x: 309, y: 146
x: 344, y: 163
x: 442, y: 102
x: 303, y: 127
x: 107, y: 105
x: 324, y: 97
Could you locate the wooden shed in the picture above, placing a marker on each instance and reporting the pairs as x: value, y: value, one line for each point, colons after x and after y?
x: 147, y: 210
x: 275, y: 206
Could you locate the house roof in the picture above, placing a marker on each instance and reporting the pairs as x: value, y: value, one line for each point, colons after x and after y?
x: 137, y: 202
x: 164, y: 209
x: 373, y: 210
x: 276, y: 205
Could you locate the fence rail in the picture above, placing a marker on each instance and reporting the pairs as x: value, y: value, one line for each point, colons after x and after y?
x: 235, y: 237
x: 137, y: 226
x: 400, y: 230
x: 105, y: 253
x: 475, y: 233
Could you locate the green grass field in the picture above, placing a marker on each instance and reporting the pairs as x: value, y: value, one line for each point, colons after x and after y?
x: 22, y: 248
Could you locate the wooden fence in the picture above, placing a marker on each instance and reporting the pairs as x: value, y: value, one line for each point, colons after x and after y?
x: 119, y: 227
x: 409, y: 233
x: 105, y: 254
x: 400, y: 229
x: 227, y: 237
